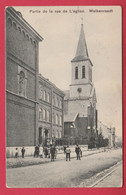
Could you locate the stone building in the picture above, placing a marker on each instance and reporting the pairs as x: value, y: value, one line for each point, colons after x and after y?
x: 29, y: 96
x: 50, y: 123
x: 22, y: 44
x: 80, y: 119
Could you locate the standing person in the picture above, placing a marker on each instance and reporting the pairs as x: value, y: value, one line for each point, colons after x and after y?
x: 77, y: 150
x: 16, y: 153
x: 41, y: 152
x: 52, y: 152
x: 56, y: 151
x: 68, y: 151
x: 23, y: 152
x: 45, y: 152
x: 35, y: 152
x: 64, y: 149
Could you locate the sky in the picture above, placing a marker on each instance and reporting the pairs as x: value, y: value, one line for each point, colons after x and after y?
x: 60, y: 29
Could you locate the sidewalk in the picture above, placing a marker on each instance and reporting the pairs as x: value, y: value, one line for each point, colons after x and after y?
x: 30, y: 160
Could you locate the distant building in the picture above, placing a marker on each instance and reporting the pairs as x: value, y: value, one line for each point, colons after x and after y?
x: 107, y: 133
x: 80, y: 112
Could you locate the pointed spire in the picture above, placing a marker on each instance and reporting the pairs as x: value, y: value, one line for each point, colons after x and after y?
x: 81, y: 52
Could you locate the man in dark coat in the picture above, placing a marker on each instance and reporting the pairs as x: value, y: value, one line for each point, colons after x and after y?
x: 52, y: 152
x: 78, y: 150
x: 23, y: 152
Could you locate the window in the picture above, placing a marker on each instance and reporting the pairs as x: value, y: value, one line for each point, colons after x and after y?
x: 48, y: 97
x: 40, y: 114
x: 83, y: 72
x: 48, y: 116
x: 54, y: 118
x: 60, y: 104
x: 44, y: 95
x: 56, y: 134
x: 60, y: 120
x: 44, y: 114
x: 54, y: 102
x: 22, y: 83
x: 57, y: 119
x: 76, y: 72
x: 40, y: 92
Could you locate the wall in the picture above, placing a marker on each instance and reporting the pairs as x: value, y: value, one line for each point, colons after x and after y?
x: 21, y: 55
x: 20, y: 122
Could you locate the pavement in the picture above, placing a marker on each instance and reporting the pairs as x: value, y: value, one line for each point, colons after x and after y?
x: 113, y: 180
x: 62, y: 173
x: 30, y: 160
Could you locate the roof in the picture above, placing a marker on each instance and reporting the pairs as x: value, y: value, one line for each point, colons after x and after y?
x: 70, y: 117
x: 81, y: 52
x: 25, y: 24
x: 42, y: 78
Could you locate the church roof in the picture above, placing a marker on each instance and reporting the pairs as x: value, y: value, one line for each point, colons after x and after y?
x: 70, y: 117
x: 81, y: 52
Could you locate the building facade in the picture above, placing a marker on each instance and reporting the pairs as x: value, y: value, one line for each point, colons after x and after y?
x: 22, y: 44
x: 34, y: 105
x: 50, y: 118
x: 107, y: 133
x: 80, y: 110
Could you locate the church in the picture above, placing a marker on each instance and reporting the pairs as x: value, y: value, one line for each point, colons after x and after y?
x: 80, y: 112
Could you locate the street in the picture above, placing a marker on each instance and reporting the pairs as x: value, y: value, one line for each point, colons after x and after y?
x: 110, y: 179
x: 62, y: 173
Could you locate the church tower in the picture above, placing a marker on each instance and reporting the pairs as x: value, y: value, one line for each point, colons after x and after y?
x: 80, y: 113
x: 81, y: 82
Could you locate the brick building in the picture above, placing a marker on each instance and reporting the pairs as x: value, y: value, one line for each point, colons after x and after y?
x: 28, y: 93
x: 80, y: 119
x: 51, y: 123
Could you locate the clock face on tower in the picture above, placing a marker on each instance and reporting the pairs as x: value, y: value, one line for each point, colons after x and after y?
x: 79, y: 90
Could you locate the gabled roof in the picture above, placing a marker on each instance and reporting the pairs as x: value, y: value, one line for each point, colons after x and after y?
x: 81, y: 52
x: 70, y: 117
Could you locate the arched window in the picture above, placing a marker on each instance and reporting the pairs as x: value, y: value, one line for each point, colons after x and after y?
x: 22, y: 83
x: 54, y: 102
x: 48, y: 116
x: 44, y: 95
x: 44, y: 114
x: 54, y: 118
x: 83, y: 72
x: 40, y: 92
x: 57, y: 102
x: 40, y: 114
x: 60, y: 104
x: 48, y: 97
x: 60, y: 120
x: 57, y: 118
x: 76, y: 72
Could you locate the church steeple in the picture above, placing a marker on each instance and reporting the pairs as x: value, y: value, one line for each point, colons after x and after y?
x: 81, y: 52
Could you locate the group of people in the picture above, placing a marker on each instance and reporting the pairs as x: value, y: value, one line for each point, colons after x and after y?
x: 78, y: 151
x: 47, y: 151
x: 22, y: 152
x: 51, y: 152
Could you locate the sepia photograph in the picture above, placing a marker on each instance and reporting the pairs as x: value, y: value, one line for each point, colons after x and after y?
x: 64, y: 97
